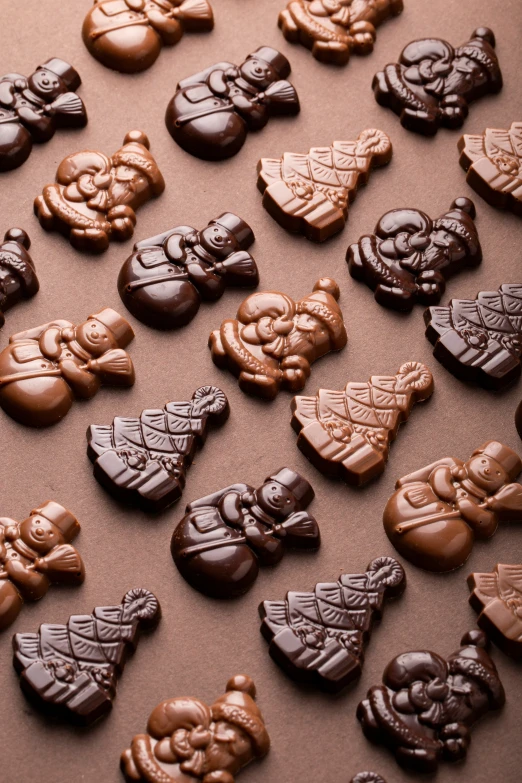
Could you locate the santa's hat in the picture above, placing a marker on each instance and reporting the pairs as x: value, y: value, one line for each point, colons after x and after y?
x: 274, y: 58
x: 135, y: 154
x: 238, y: 227
x: 69, y: 76
x: 60, y: 517
x: 459, y: 221
x: 474, y: 662
x: 480, y: 49
x: 298, y: 486
x: 322, y: 304
x: 117, y: 324
x: 506, y: 457
x: 238, y: 707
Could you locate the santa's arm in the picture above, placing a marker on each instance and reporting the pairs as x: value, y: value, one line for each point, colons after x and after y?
x: 423, y: 474
x: 36, y: 332
x: 202, y: 76
x: 215, y: 497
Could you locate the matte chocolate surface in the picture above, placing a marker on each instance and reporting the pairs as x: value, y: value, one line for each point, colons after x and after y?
x: 320, y: 637
x: 497, y: 597
x: 347, y: 434
x: 144, y: 461
x: 309, y: 194
x: 18, y: 278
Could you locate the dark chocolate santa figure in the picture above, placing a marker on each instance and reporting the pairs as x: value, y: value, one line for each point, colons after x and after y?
x: 32, y: 109
x: 34, y: 554
x: 212, y: 111
x: 72, y: 670
x: 18, y: 278
x: 426, y: 705
x: 409, y: 256
x: 319, y: 637
x: 165, y: 279
x: 433, y: 83
x: 224, y: 537
x: 144, y: 461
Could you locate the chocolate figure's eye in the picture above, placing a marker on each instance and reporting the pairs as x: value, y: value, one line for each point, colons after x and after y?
x: 484, y: 462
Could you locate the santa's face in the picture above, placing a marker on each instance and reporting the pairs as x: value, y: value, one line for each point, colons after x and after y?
x: 40, y: 534
x: 465, y: 75
x: 486, y: 473
x: 229, y: 750
x: 218, y: 241
x: 94, y: 337
x: 126, y: 184
x: 258, y: 72
x: 275, y: 499
x: 46, y: 84
x: 443, y: 248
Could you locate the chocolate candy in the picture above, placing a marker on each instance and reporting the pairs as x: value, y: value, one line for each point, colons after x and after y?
x: 72, y: 671
x: 32, y: 110
x: 319, y: 637
x: 188, y: 740
x: 436, y: 513
x: 274, y: 340
x: 493, y: 161
x: 34, y: 554
x: 18, y: 278
x: 426, y: 706
x: 518, y: 418
x: 334, y: 30
x: 144, y: 461
x: 224, y: 537
x: 163, y: 282
x: 479, y: 340
x: 128, y: 35
x: 347, y: 434
x: 410, y: 256
x: 95, y: 197
x: 212, y: 111
x: 309, y: 194
x: 367, y: 777
x: 43, y: 369
x: 433, y: 83
x: 497, y: 597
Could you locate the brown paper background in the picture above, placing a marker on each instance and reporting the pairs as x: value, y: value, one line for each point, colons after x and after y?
x: 201, y: 642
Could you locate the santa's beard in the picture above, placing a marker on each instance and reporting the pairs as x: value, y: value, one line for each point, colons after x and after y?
x: 120, y: 193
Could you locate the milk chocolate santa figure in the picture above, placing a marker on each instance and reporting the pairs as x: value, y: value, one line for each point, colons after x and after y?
x: 32, y: 109
x: 18, y: 278
x: 436, y: 513
x: 167, y: 276
x: 34, y: 554
x: 43, y: 369
x: 188, y: 741
x: 224, y: 537
x: 95, y: 197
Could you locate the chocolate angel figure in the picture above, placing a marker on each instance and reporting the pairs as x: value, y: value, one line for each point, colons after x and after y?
x: 212, y: 111
x: 409, y: 256
x: 18, y: 278
x: 144, y: 461
x: 188, y: 741
x: 480, y: 340
x: 165, y: 279
x: 128, y: 35
x: 433, y: 83
x: 34, y: 554
x: 95, y: 198
x: 347, y: 434
x: 224, y: 537
x: 436, y: 513
x: 319, y: 637
x: 274, y: 340
x: 426, y: 705
x: 493, y: 160
x: 309, y: 194
x: 497, y: 597
x: 32, y: 109
x: 72, y: 670
x: 333, y: 29
x: 43, y: 369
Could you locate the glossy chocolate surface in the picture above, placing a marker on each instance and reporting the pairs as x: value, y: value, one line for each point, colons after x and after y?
x: 409, y: 257
x: 188, y: 740
x: 347, y: 434
x: 433, y: 83
x: 45, y: 368
x: 436, y: 513
x: 35, y: 554
x: 211, y: 112
x: 493, y: 161
x: 224, y: 537
x: 479, y: 340
x: 32, y: 109
x: 128, y: 35
x: 333, y: 29
x: 71, y: 671
x: 167, y: 276
x: 497, y: 597
x: 309, y: 194
x: 18, y: 278
x: 95, y: 197
x: 274, y: 340
x: 319, y: 637
x: 426, y: 705
x: 144, y: 461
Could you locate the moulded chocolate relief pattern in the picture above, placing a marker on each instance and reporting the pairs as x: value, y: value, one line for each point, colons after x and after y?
x: 497, y: 597
x: 18, y: 278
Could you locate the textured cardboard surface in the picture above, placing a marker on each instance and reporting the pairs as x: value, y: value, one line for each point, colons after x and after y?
x: 201, y: 642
